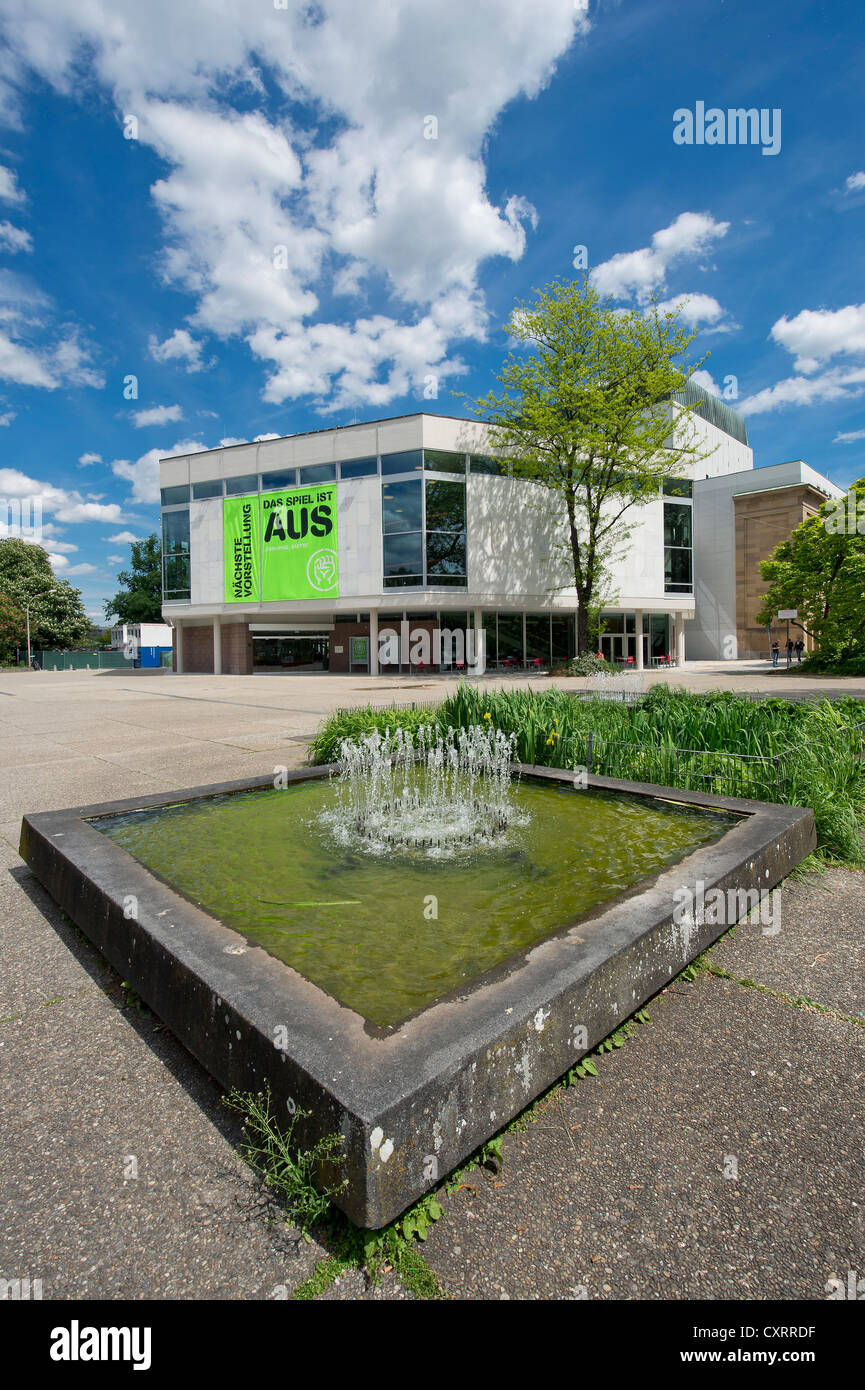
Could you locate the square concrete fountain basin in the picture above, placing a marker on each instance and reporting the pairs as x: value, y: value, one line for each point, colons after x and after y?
x: 413, y: 1101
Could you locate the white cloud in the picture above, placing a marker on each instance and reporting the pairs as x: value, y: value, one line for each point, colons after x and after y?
x: 27, y: 356
x: 180, y: 347
x: 22, y: 366
x: 7, y: 417
x: 63, y: 547
x: 9, y: 190
x: 74, y: 511
x: 638, y: 274
x: 850, y: 438
x: 86, y: 459
x: 835, y: 384
x: 64, y: 506
x: 265, y: 220
x: 157, y: 415
x: 143, y: 474
x: 695, y: 310
x: 81, y: 569
x: 14, y: 239
x: 115, y: 559
x: 122, y: 538
x: 64, y: 363
x: 707, y: 381
x: 855, y: 182
x: 816, y: 335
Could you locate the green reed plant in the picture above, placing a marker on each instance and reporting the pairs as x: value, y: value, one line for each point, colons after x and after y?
x: 816, y: 743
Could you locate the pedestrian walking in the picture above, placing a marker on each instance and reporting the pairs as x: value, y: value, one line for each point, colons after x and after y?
x: 800, y: 647
x: 776, y: 651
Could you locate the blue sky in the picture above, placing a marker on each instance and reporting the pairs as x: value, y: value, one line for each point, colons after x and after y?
x: 280, y: 246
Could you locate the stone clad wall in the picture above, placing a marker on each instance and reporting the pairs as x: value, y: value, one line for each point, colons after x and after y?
x: 763, y: 521
x: 236, y: 649
x: 198, y: 650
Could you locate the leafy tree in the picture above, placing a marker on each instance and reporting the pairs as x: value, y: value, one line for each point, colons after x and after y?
x: 586, y: 413
x: 13, y: 628
x: 140, y: 599
x: 820, y: 571
x: 57, y: 617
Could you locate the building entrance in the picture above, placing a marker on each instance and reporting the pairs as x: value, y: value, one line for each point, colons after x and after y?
x: 307, y: 651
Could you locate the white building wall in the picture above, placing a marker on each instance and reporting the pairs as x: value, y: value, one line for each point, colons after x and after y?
x: 359, y: 537
x: 514, y: 544
x: 717, y: 453
x: 205, y: 544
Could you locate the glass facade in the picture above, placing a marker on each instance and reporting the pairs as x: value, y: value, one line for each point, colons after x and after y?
x: 408, y: 462
x: 171, y: 496
x: 236, y: 487
x: 484, y: 463
x: 201, y: 491
x: 175, y: 556
x: 358, y: 468
x: 423, y: 533
x: 678, y: 548
x: 443, y: 461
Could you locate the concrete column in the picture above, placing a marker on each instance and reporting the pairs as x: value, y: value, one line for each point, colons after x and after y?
x: 178, y: 665
x: 680, y: 639
x: 373, y: 642
x: 217, y: 645
x: 638, y: 627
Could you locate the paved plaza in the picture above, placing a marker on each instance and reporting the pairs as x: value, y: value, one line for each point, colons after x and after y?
x: 620, y: 1187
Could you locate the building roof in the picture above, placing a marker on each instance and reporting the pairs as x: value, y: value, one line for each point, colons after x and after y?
x: 714, y: 410
x: 330, y: 429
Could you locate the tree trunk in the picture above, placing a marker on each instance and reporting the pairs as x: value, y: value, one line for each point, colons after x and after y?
x: 582, y: 627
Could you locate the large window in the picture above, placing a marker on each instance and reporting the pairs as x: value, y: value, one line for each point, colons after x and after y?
x: 485, y: 463
x: 678, y: 552
x: 424, y: 533
x: 445, y: 533
x: 210, y: 488
x: 443, y: 461
x: 402, y: 525
x: 175, y: 556
x: 409, y: 461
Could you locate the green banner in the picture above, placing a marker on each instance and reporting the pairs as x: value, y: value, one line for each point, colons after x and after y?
x: 359, y: 651
x: 242, y: 578
x: 295, y: 534
x: 299, y: 556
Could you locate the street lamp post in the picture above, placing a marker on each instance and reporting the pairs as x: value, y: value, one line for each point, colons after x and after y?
x: 27, y: 615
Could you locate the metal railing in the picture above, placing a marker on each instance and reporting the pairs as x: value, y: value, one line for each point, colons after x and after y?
x: 755, y: 776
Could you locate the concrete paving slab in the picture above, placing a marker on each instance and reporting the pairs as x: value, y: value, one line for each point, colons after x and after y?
x: 618, y: 1189
x: 122, y: 1177
x: 819, y: 949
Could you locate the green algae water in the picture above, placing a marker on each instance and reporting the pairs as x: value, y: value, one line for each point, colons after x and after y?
x: 361, y: 925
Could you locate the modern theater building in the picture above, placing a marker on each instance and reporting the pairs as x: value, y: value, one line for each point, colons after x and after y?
x: 340, y: 548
